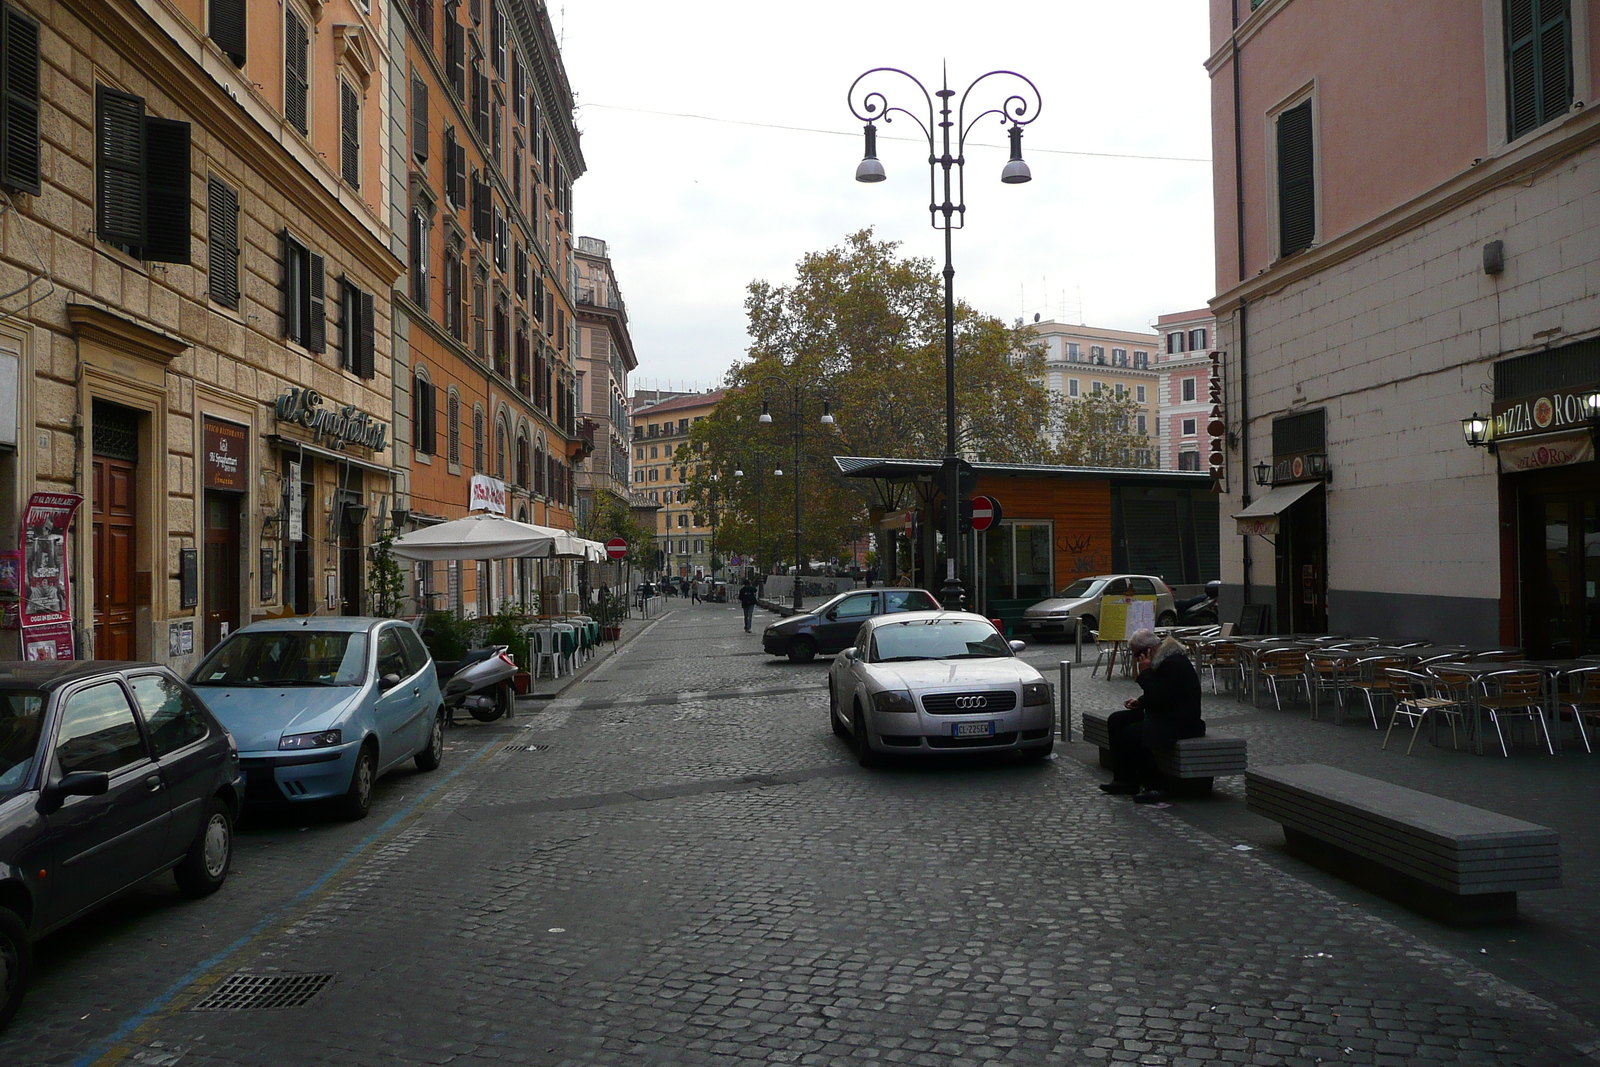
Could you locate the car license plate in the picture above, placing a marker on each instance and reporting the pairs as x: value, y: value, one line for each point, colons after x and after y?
x: 972, y: 729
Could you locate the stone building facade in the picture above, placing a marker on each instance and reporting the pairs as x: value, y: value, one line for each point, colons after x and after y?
x: 605, y: 359
x: 196, y: 329
x: 686, y: 537
x: 1184, y: 362
x: 1083, y: 360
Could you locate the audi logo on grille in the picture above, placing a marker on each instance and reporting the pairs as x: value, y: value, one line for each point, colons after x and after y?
x: 972, y: 703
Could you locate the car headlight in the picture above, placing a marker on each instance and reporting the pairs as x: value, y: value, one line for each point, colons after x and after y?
x: 1062, y: 613
x: 893, y: 700
x: 1035, y: 693
x: 321, y: 739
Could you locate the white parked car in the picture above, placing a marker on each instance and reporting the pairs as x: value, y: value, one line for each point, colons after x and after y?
x: 933, y: 683
x: 1079, y: 602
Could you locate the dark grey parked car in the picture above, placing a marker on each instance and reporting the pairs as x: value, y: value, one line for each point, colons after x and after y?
x: 832, y: 627
x: 110, y: 772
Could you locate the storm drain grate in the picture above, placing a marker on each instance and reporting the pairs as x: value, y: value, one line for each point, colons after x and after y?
x: 526, y: 748
x: 259, y: 992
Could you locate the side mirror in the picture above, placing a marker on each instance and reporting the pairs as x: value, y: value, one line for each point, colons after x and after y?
x: 388, y: 681
x: 76, y: 784
x: 849, y: 655
x: 1018, y: 646
x: 831, y: 616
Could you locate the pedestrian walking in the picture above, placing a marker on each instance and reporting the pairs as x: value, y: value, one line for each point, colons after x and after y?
x: 694, y: 591
x: 747, y: 601
x: 1166, y: 712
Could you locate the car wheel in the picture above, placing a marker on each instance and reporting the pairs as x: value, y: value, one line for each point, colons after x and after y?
x: 839, y: 728
x: 357, y: 800
x: 205, y: 867
x: 16, y: 963
x: 1167, y: 619
x: 864, y: 753
x: 430, y: 758
x: 803, y: 650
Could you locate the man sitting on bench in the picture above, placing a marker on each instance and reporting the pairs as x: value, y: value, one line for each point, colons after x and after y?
x: 1167, y: 712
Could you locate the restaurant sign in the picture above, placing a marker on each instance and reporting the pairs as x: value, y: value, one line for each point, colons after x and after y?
x: 486, y: 494
x: 1549, y: 450
x: 225, y: 452
x: 335, y: 427
x: 1558, y: 410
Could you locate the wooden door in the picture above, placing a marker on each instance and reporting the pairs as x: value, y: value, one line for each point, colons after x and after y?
x: 115, y: 496
x: 222, y: 567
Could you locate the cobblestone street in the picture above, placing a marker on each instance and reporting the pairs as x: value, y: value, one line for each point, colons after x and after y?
x: 676, y: 862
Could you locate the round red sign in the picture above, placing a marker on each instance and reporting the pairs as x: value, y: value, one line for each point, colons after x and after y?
x: 616, y: 548
x: 985, y: 512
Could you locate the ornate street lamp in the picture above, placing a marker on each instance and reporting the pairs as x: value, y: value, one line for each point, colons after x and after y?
x: 796, y: 407
x: 1018, y: 109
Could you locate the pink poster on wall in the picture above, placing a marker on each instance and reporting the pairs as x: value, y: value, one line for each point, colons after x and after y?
x: 53, y: 640
x: 46, y: 582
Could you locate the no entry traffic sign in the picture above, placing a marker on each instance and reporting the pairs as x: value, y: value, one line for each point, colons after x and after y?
x: 616, y: 548
x: 986, y: 512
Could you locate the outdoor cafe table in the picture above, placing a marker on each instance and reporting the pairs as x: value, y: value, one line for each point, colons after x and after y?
x: 1250, y: 653
x: 1477, y: 669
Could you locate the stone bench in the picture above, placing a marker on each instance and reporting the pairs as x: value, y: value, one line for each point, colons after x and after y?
x: 1447, y: 859
x: 1191, y: 764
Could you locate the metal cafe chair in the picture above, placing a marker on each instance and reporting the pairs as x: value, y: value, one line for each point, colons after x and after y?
x: 1514, y: 694
x: 1371, y: 683
x: 1329, y: 670
x: 1416, y: 696
x: 1222, y: 656
x: 1582, y: 700
x: 1286, y: 665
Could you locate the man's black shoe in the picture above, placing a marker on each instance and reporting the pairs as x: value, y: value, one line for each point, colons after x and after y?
x: 1119, y: 789
x: 1150, y: 796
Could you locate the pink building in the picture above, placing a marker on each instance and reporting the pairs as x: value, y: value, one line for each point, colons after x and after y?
x: 1407, y: 236
x: 1183, y: 359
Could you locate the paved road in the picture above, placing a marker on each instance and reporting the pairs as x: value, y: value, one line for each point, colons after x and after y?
x: 677, y: 863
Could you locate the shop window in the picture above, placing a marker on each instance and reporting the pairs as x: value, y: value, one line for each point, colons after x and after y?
x: 222, y: 243
x: 141, y: 179
x: 1019, y: 561
x: 305, y: 311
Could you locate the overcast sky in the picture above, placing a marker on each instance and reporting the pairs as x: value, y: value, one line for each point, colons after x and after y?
x: 696, y: 208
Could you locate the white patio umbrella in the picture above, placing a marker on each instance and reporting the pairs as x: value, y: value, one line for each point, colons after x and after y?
x: 478, y: 537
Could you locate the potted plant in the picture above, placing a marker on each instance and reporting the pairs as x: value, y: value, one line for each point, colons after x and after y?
x: 609, y: 615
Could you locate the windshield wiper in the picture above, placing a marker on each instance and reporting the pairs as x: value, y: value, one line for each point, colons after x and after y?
x: 900, y: 659
x: 972, y: 655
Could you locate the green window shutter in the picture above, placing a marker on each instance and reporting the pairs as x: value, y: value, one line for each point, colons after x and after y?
x: 19, y: 108
x: 316, y: 306
x: 1297, y: 203
x: 296, y: 84
x: 349, y: 135
x: 227, y: 28
x: 1538, y: 35
x: 222, y: 241
x: 167, y: 207
x: 419, y: 117
x: 349, y: 313
x: 119, y: 167
x: 291, y: 260
x: 366, y: 337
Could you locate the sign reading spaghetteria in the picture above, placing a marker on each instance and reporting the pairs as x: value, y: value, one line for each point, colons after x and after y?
x: 225, y: 451
x: 335, y: 427
x: 1555, y: 410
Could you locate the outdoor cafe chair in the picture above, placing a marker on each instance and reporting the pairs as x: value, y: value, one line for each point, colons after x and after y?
x: 1582, y: 700
x: 1514, y: 694
x: 1416, y: 696
x: 1329, y: 670
x: 1372, y: 684
x: 546, y: 649
x: 1221, y: 655
x: 1283, y: 665
x: 1506, y: 655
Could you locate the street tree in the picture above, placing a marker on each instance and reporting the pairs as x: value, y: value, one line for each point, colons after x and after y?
x: 1101, y: 430
x: 609, y: 518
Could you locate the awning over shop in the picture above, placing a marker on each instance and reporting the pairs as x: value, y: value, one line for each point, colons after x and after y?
x: 1545, y: 450
x: 1262, y: 516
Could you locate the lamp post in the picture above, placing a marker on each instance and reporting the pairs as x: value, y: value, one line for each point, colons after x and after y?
x: 1019, y: 108
x: 796, y: 407
x: 761, y: 551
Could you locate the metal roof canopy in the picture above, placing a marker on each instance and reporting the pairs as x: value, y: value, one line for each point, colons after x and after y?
x: 911, y: 469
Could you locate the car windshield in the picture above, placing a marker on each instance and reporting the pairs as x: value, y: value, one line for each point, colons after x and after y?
x: 938, y: 639
x: 21, y: 713
x: 1082, y: 587
x: 288, y: 658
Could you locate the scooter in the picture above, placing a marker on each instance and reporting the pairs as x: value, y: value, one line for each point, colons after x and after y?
x: 1200, y: 610
x: 482, y: 685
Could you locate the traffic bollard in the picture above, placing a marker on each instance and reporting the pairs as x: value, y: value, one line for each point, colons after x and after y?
x: 1066, y: 701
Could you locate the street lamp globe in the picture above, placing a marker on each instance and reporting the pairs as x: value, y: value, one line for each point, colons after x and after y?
x: 870, y: 169
x: 1016, y: 169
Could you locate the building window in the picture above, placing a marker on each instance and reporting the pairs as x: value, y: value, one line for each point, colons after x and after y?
x: 141, y: 177
x: 1098, y: 388
x: 19, y: 119
x: 1072, y: 387
x: 480, y: 311
x: 1297, y: 206
x: 454, y: 320
x: 683, y: 523
x: 500, y: 241
x: 1138, y: 393
x: 500, y: 449
x: 1188, y: 461
x: 1119, y: 357
x: 419, y: 118
x: 1197, y: 340
x: 1188, y: 389
x: 305, y: 312
x: 1097, y: 354
x: 455, y: 169
x: 452, y: 427
x: 222, y: 243
x: 1143, y: 427
x: 477, y: 439
x: 1118, y: 390
x: 1188, y: 427
x: 296, y: 70
x: 356, y: 331
x: 349, y: 135
x: 1141, y: 359
x: 1175, y: 343
x: 1072, y: 351
x: 1538, y: 35
x: 419, y: 258
x: 424, y: 410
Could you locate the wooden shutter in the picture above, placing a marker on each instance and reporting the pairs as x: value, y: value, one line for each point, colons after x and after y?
x: 295, y: 83
x: 460, y: 174
x: 167, y: 208
x: 316, y: 332
x: 1297, y: 218
x: 366, y: 337
x: 423, y: 10
x: 349, y: 135
x: 1538, y: 36
x: 452, y: 437
x: 222, y: 241
x: 455, y: 56
x: 119, y: 167
x: 289, y: 259
x: 480, y: 101
x: 416, y: 411
x: 227, y: 28
x: 419, y: 117
x: 430, y: 415
x: 19, y: 108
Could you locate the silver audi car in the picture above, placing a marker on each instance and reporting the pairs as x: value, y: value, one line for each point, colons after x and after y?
x: 933, y: 683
